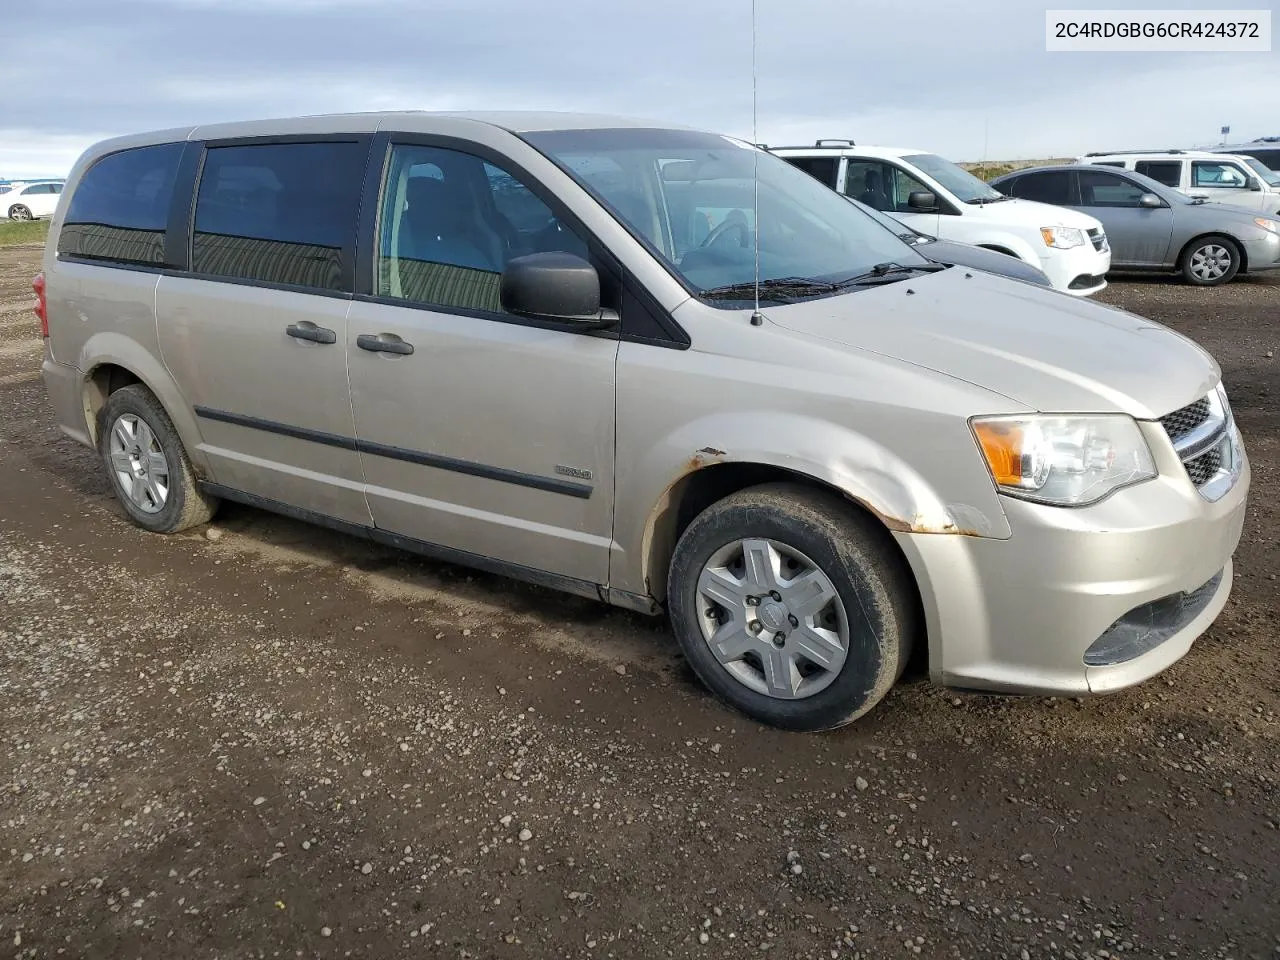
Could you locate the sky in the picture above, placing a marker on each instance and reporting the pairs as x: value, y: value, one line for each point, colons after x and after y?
x: 968, y: 79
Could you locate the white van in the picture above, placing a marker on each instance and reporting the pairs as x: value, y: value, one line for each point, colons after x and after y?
x: 1219, y: 177
x: 934, y: 196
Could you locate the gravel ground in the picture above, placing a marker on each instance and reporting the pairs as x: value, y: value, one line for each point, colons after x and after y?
x: 263, y: 739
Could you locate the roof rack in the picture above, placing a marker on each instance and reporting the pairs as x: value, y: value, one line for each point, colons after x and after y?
x: 834, y: 143
x: 1121, y: 153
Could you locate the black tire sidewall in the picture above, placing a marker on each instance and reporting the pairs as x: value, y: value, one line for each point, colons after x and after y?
x: 15, y: 207
x: 127, y: 401
x: 1221, y: 241
x: 873, y: 643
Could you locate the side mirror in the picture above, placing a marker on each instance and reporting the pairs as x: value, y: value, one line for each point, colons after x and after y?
x: 922, y: 201
x: 1150, y: 200
x: 1254, y: 185
x: 554, y: 286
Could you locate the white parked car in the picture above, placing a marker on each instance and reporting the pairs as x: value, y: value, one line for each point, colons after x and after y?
x: 1218, y: 177
x: 936, y: 197
x: 31, y: 201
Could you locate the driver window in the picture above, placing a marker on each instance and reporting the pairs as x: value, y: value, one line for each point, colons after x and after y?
x: 1210, y: 173
x: 1108, y: 190
x: 870, y: 182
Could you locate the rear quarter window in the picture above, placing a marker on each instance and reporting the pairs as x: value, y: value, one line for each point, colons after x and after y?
x: 120, y: 207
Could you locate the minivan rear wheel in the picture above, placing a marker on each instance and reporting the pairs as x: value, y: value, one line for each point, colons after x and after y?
x: 791, y: 606
x: 1209, y: 261
x: 147, y: 465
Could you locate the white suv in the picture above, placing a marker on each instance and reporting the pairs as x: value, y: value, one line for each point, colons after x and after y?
x: 1220, y: 177
x: 934, y: 196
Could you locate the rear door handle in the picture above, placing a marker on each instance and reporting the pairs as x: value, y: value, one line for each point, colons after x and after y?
x: 310, y: 332
x: 377, y: 344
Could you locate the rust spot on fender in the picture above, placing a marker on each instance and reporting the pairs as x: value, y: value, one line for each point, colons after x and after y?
x: 917, y: 524
x: 700, y: 459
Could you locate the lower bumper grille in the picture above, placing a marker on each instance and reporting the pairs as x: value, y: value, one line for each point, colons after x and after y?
x: 1146, y: 627
x: 1086, y: 281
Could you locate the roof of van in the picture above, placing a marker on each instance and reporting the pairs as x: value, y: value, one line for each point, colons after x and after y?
x: 858, y: 150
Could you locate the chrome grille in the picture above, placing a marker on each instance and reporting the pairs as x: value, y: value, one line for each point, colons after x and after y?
x: 1203, y: 437
x: 1181, y: 422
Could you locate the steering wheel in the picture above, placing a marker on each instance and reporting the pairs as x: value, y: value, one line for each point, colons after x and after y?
x: 723, y: 228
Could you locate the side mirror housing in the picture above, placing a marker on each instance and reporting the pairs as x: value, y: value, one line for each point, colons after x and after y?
x: 1150, y: 200
x: 554, y: 286
x: 1254, y: 185
x: 922, y: 201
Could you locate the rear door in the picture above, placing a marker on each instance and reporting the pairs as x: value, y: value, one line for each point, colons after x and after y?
x: 255, y: 335
x: 480, y: 431
x: 1139, y: 235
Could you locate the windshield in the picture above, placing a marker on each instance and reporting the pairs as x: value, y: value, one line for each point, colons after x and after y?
x: 1262, y: 170
x: 690, y: 198
x: 964, y: 185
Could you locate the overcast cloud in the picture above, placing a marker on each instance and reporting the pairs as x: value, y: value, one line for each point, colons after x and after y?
x: 934, y: 74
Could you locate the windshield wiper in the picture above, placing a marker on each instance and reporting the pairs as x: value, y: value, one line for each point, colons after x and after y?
x: 983, y: 201
x: 890, y: 273
x: 774, y: 288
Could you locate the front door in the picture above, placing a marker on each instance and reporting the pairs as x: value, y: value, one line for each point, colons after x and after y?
x: 479, y: 431
x: 1225, y: 181
x: 888, y: 188
x: 256, y: 336
x: 1139, y: 235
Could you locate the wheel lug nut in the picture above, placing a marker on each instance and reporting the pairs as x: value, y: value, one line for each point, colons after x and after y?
x: 779, y: 639
x: 754, y: 626
x: 753, y: 601
x: 792, y: 618
x: 775, y: 594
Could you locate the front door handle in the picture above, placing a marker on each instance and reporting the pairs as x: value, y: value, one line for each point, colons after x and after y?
x: 378, y: 344
x: 311, y: 333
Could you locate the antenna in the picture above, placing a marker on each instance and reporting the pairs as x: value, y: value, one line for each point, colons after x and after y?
x: 756, y: 318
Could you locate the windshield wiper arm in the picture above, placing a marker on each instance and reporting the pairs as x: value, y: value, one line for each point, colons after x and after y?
x: 982, y: 201
x: 890, y: 272
x: 785, y: 286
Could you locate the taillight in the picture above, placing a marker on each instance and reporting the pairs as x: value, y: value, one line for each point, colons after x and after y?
x: 42, y: 305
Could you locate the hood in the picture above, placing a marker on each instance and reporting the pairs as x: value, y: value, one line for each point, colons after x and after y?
x: 1042, y: 349
x: 1032, y: 214
x: 967, y: 255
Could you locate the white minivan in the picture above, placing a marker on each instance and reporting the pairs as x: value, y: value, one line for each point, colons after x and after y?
x: 935, y: 196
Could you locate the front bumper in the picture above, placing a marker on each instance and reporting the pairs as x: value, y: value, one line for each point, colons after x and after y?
x: 1020, y: 615
x: 1263, y: 253
x: 1080, y: 271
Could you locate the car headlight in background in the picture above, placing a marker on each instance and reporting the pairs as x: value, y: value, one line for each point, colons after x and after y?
x: 1064, y: 238
x: 1069, y: 461
x: 1266, y: 224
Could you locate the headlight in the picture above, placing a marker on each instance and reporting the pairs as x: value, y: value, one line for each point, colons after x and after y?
x: 1266, y: 224
x: 1070, y: 461
x: 1064, y: 238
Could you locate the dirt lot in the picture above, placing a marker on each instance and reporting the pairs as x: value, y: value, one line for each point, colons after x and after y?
x: 281, y: 742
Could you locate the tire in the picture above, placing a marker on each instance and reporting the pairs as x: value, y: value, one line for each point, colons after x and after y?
x: 19, y: 212
x: 1210, y: 261
x: 139, y: 447
x: 872, y: 613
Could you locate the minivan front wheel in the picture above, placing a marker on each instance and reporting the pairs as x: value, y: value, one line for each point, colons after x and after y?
x: 791, y: 606
x: 1210, y: 261
x: 147, y: 465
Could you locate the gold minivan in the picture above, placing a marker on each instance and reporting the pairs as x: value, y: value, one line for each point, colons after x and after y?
x: 655, y: 366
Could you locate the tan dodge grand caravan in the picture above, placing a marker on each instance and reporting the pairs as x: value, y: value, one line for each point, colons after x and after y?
x: 529, y: 343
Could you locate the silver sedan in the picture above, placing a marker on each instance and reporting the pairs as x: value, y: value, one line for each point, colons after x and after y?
x: 1154, y: 227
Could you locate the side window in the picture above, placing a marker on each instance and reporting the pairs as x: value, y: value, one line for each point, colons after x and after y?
x: 120, y: 207
x: 820, y: 168
x: 1118, y: 164
x: 449, y: 223
x: 278, y: 213
x: 1168, y: 172
x: 1214, y: 173
x: 1108, y: 190
x: 871, y: 182
x: 1053, y: 186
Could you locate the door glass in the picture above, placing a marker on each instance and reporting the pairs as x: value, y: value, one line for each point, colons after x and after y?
x: 278, y: 213
x: 870, y: 182
x: 820, y: 168
x: 1168, y: 172
x: 1214, y: 173
x: 1108, y: 190
x: 450, y: 222
x: 1049, y: 187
